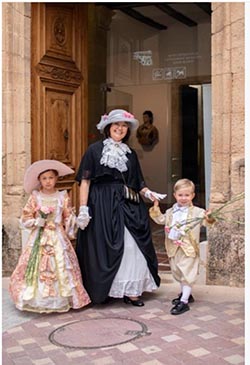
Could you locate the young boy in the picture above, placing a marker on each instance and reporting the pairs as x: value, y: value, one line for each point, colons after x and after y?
x: 182, y: 227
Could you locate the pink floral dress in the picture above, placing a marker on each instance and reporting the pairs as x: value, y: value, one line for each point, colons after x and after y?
x: 47, y: 277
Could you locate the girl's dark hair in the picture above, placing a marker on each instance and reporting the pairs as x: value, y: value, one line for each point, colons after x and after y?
x: 150, y: 114
x: 106, y: 133
x: 55, y: 172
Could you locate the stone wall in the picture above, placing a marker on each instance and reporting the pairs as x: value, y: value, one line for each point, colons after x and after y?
x: 226, y: 240
x: 16, y: 43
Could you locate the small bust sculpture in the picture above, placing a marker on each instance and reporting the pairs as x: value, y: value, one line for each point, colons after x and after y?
x: 147, y: 134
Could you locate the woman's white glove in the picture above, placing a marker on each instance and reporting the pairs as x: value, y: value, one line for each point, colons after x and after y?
x: 152, y: 194
x: 83, y: 217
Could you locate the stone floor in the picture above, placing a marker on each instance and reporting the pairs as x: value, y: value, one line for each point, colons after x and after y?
x: 212, y: 332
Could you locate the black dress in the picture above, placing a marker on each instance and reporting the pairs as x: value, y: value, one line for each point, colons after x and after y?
x: 100, y: 246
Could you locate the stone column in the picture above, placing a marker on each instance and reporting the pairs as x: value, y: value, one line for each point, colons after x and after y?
x: 226, y: 240
x: 16, y: 43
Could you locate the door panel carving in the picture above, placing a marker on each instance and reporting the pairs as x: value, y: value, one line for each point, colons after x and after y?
x: 59, y: 79
x: 59, y: 32
x: 58, y: 127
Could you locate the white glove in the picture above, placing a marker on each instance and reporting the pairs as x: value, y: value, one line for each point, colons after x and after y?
x: 40, y: 222
x: 148, y: 194
x: 83, y: 218
x: 27, y: 224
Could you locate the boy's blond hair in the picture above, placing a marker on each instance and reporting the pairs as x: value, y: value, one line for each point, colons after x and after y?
x: 184, y: 183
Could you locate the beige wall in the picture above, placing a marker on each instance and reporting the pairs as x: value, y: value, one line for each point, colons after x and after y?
x: 154, y: 162
x: 226, y: 250
x: 15, y: 122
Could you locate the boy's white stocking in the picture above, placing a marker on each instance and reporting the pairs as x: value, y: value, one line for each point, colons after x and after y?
x: 186, y: 291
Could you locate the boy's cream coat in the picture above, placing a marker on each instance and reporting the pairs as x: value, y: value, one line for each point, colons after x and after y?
x: 191, y: 238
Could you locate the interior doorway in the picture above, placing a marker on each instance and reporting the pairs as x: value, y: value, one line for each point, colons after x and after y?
x: 192, y: 139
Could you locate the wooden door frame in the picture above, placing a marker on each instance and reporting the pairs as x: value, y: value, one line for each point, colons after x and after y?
x: 175, y: 159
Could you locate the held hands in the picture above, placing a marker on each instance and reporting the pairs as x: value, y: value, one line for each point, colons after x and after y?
x: 83, y: 217
x: 156, y: 204
x: 152, y: 195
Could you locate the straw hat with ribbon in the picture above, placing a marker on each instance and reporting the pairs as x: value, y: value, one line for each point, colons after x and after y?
x: 31, y: 181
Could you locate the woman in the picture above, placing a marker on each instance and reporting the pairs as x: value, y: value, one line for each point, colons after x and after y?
x: 114, y: 244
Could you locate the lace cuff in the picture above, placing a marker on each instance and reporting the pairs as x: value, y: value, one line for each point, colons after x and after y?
x: 71, y: 226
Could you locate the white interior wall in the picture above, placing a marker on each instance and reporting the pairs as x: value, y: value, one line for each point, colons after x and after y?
x: 135, y: 88
x: 156, y: 98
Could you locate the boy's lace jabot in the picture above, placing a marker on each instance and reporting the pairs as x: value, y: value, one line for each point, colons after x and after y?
x: 114, y: 154
x: 180, y: 215
x: 177, y: 207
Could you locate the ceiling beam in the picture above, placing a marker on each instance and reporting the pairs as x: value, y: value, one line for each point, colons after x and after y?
x: 176, y: 15
x: 205, y: 7
x: 138, y: 16
x: 119, y: 6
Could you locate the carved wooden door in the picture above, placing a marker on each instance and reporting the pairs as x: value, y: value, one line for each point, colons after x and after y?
x: 59, y: 71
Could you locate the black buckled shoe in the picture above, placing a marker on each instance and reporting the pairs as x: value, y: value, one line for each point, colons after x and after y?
x: 178, y: 299
x: 180, y: 308
x: 137, y: 302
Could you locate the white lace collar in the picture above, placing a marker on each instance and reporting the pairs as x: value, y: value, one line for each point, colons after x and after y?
x: 114, y: 154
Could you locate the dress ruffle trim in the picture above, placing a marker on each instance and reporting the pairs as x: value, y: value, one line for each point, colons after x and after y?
x: 132, y: 288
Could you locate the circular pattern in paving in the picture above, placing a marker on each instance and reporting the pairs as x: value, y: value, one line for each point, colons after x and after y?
x: 98, y: 332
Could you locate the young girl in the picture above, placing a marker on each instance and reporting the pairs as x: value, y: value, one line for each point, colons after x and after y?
x: 47, y: 277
